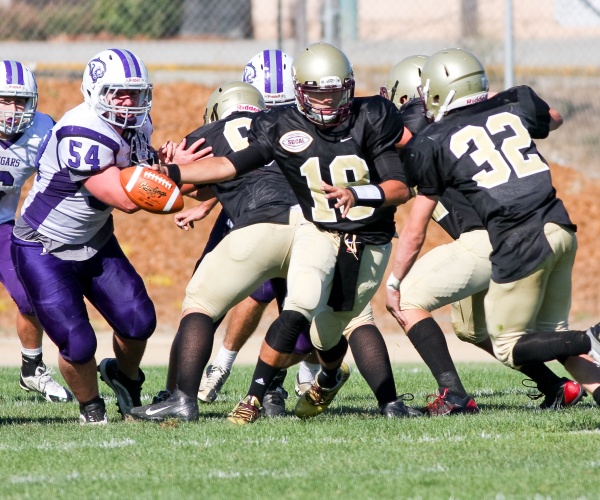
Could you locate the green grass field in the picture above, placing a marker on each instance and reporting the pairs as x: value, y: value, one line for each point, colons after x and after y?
x: 510, y: 450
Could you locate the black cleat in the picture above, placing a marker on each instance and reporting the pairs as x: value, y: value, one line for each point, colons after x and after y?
x: 93, y: 413
x: 179, y: 406
x: 128, y: 391
x: 273, y: 404
x: 397, y: 409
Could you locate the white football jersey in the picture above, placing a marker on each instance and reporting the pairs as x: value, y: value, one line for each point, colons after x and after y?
x: 81, y: 145
x: 17, y: 163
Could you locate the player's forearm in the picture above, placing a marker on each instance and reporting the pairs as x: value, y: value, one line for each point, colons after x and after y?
x: 407, y: 251
x: 205, y: 171
x: 395, y: 193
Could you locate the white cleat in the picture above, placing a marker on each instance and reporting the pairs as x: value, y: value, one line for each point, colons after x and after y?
x: 43, y: 383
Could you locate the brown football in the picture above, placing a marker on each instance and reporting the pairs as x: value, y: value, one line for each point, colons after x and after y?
x: 151, y: 190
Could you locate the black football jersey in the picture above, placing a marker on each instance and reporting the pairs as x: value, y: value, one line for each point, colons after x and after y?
x: 263, y: 195
x: 453, y: 213
x: 486, y: 152
x: 359, y: 151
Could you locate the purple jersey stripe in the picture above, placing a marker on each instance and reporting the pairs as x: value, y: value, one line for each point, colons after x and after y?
x: 130, y: 63
x: 73, y: 131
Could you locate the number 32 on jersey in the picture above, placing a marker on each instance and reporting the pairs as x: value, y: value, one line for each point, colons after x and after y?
x: 500, y: 167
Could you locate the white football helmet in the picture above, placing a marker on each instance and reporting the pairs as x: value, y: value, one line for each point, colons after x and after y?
x: 270, y: 71
x: 323, y: 83
x: 403, y: 80
x: 233, y: 97
x: 109, y: 72
x: 450, y: 79
x: 16, y: 81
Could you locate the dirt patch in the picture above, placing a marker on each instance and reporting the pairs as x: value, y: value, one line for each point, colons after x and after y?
x: 165, y: 256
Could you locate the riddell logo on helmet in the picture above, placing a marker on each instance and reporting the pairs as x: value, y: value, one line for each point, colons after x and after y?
x: 479, y: 98
x: 247, y: 107
x: 295, y: 141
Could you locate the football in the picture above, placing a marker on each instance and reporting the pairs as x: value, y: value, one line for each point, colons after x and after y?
x: 151, y: 190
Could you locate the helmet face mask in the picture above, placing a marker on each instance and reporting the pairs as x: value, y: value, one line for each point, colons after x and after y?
x: 403, y: 80
x: 324, y: 84
x: 110, y: 77
x: 270, y: 72
x: 452, y: 78
x: 233, y: 97
x: 18, y: 97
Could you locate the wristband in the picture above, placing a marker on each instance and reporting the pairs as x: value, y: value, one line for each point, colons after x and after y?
x: 393, y: 283
x: 368, y: 195
x: 174, y: 172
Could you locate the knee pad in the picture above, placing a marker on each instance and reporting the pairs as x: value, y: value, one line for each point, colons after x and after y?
x: 285, y: 330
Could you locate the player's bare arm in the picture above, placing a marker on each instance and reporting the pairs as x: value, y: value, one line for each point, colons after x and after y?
x: 556, y: 119
x: 185, y: 219
x: 406, y: 136
x: 410, y: 241
x: 205, y: 171
x: 106, y: 186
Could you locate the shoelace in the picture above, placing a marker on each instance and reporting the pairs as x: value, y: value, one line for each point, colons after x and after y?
x: 245, y: 411
x: 314, y: 394
x: 530, y: 384
x: 351, y: 245
x: 214, y: 377
x: 438, y: 402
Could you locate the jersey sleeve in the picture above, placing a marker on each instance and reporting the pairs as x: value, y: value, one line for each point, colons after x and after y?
x: 386, y: 127
x: 260, y: 150
x: 85, y: 152
x: 421, y: 168
x: 536, y: 114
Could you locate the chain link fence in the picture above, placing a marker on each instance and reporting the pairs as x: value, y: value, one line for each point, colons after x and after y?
x: 553, y: 44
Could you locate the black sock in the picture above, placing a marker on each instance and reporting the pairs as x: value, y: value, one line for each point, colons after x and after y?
x: 196, y: 335
x: 278, y: 380
x: 429, y: 341
x: 264, y: 375
x: 97, y: 399
x: 29, y: 364
x: 596, y: 396
x: 546, y: 380
x: 373, y: 362
x: 329, y: 377
x: 547, y: 346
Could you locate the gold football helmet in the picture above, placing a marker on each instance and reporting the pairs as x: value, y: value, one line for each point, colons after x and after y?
x: 231, y: 97
x: 403, y: 80
x: 323, y: 84
x: 450, y: 79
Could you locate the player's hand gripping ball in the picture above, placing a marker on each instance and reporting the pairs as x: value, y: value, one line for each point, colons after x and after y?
x: 151, y: 190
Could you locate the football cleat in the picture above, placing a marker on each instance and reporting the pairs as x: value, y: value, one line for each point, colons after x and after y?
x: 301, y: 387
x: 444, y: 403
x: 317, y: 399
x: 161, y: 396
x: 212, y: 381
x: 43, y: 383
x: 594, y: 334
x: 397, y: 409
x: 93, y: 413
x: 245, y: 412
x: 179, y: 406
x: 128, y: 391
x: 274, y: 402
x: 569, y: 393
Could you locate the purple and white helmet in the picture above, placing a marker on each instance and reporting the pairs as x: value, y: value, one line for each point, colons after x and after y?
x: 270, y: 71
x: 17, y: 81
x: 107, y: 73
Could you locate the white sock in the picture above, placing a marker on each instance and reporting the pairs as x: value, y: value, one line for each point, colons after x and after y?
x: 225, y: 358
x: 307, y: 372
x: 31, y: 353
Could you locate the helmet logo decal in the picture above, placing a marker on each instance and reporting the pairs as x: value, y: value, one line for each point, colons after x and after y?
x: 295, y: 141
x: 97, y: 69
x: 249, y: 73
x: 330, y: 81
